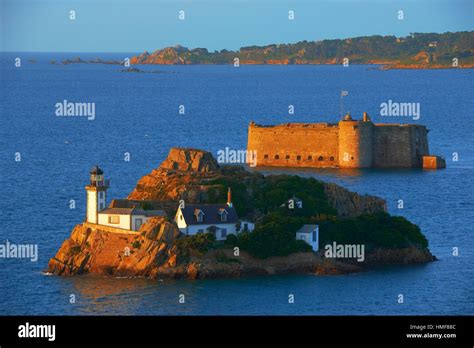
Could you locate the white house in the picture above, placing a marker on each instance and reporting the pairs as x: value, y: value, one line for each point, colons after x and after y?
x: 293, y: 203
x: 219, y: 219
x: 310, y: 234
x: 125, y: 218
x: 246, y: 226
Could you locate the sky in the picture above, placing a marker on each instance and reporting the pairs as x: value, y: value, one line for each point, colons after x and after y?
x: 138, y: 25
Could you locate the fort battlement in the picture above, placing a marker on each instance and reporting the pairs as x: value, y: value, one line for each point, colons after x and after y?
x: 347, y: 144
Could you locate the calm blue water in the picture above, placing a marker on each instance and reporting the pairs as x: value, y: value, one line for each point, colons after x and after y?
x: 138, y: 113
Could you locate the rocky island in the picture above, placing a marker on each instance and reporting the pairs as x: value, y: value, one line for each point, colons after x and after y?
x: 160, y: 248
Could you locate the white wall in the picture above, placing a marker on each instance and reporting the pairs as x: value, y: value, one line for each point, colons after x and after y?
x: 308, y: 238
x: 135, y: 225
x: 250, y: 226
x: 124, y: 221
x: 195, y: 229
x: 180, y: 220
x: 91, y: 213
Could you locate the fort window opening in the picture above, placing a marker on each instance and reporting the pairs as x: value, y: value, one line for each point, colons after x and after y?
x: 287, y: 156
x: 331, y: 158
x: 298, y: 158
x: 310, y: 158
x: 277, y: 157
x: 320, y: 158
x: 265, y: 156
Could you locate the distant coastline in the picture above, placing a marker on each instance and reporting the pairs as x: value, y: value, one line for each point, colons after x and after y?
x: 417, y: 51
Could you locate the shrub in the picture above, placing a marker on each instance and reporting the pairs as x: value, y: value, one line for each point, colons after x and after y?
x: 231, y: 240
x: 375, y: 231
x: 276, y: 237
x: 201, y: 242
x: 221, y: 257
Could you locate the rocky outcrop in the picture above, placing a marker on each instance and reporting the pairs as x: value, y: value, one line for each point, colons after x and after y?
x: 177, y: 55
x: 92, y: 249
x: 404, y: 256
x: 350, y: 204
x: 190, y: 160
x: 180, y: 176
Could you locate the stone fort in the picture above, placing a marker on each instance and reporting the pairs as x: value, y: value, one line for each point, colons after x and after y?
x: 349, y: 143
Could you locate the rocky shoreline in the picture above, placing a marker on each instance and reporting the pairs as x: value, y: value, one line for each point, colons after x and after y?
x: 153, y: 254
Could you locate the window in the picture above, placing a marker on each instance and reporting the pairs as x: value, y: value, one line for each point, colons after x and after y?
x: 298, y: 158
x: 199, y: 215
x: 224, y: 232
x: 114, y: 219
x: 320, y: 158
x: 224, y: 216
x: 265, y: 156
x: 331, y: 158
x: 303, y: 237
x: 138, y: 223
x: 277, y: 157
x: 310, y: 158
x: 287, y: 156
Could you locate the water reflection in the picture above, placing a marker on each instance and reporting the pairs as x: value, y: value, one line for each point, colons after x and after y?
x: 129, y: 296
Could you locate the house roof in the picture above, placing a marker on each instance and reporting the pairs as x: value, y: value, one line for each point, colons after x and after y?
x: 307, y: 229
x: 132, y: 211
x: 150, y: 213
x: 169, y: 207
x: 212, y: 214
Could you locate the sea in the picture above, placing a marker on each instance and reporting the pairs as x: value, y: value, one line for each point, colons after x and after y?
x: 45, y: 161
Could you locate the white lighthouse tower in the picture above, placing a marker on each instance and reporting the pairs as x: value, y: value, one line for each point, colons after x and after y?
x: 96, y: 194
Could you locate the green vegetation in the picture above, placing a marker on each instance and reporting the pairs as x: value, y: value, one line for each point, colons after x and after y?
x: 442, y: 48
x: 263, y: 199
x: 266, y: 196
x: 275, y: 237
x: 221, y: 257
x: 380, y: 230
x: 275, y: 231
x: 201, y: 242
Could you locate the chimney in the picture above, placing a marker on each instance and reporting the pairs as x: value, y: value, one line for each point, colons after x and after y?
x: 366, y: 117
x: 229, y: 198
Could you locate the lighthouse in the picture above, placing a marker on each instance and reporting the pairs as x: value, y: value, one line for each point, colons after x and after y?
x: 96, y: 194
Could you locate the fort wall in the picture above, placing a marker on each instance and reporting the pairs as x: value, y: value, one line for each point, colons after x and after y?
x: 401, y: 146
x: 295, y: 145
x: 348, y: 144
